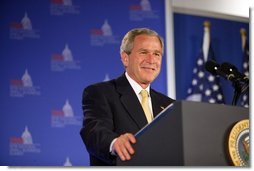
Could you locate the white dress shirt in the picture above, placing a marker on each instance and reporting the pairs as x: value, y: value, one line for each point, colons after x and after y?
x: 137, y: 89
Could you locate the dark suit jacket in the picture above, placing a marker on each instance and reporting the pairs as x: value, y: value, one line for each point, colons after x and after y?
x: 110, y: 109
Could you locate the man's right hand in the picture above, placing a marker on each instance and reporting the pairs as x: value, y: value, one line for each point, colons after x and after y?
x: 123, y: 146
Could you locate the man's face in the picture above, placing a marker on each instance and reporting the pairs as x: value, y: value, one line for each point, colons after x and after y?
x: 143, y: 64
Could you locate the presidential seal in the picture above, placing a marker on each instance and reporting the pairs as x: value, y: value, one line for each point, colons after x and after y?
x: 239, y: 143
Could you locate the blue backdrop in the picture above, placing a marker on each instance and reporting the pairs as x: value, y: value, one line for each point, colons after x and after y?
x: 50, y: 50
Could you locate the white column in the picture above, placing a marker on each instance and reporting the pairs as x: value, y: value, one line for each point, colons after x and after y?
x: 169, y: 49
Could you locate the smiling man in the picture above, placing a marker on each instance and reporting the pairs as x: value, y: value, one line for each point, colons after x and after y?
x: 115, y: 110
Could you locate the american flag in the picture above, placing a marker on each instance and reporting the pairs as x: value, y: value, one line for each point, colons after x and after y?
x: 204, y: 86
x: 245, y: 97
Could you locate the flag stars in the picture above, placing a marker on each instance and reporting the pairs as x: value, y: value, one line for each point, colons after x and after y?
x: 245, y: 65
x: 244, y: 97
x: 211, y: 100
x: 215, y: 87
x: 204, y: 86
x: 201, y: 87
x: 200, y: 62
x: 201, y: 74
x: 195, y: 70
x: 211, y: 78
x: 208, y: 92
x: 189, y: 91
x: 219, y: 97
x: 194, y: 82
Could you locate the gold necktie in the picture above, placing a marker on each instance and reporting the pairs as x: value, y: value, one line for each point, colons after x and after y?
x: 145, y: 105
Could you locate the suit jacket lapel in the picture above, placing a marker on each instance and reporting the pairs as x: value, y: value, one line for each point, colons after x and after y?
x: 156, y: 103
x: 130, y: 101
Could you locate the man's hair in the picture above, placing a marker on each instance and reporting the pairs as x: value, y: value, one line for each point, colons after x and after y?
x: 128, y: 39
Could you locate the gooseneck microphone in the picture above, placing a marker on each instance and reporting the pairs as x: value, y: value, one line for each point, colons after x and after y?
x: 230, y: 68
x: 228, y: 71
x: 216, y: 69
x: 212, y: 67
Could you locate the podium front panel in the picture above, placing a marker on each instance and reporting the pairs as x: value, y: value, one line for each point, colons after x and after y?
x: 187, y: 134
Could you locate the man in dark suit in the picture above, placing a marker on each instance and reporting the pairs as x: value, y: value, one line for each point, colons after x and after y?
x: 112, y: 110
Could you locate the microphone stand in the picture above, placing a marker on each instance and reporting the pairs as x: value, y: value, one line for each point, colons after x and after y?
x: 240, y: 88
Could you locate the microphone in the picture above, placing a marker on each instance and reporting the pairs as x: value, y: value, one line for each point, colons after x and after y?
x: 212, y: 67
x: 231, y: 69
x: 240, y: 81
x: 215, y: 69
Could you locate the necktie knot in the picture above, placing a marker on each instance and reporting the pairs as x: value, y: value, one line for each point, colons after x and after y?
x: 144, y: 94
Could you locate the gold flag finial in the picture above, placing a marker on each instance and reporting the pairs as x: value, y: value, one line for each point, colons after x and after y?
x: 243, y: 37
x: 207, y: 24
x: 243, y: 32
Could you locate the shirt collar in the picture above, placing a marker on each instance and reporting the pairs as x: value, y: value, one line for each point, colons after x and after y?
x: 136, y: 87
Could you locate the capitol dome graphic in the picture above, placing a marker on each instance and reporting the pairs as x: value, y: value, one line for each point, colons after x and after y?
x: 26, y: 23
x: 27, y: 137
x: 67, y: 162
x: 106, y: 29
x: 67, y: 2
x: 26, y: 79
x: 67, y: 109
x: 67, y: 54
x: 106, y: 78
x: 145, y: 5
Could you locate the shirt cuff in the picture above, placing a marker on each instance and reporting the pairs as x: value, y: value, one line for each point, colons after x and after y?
x: 111, y: 146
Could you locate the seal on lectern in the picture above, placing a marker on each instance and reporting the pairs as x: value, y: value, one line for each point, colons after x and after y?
x: 239, y: 143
